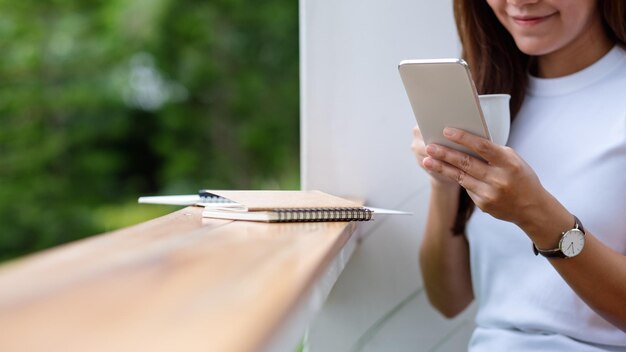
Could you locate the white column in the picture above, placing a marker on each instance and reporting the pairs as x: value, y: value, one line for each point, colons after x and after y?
x: 355, y: 141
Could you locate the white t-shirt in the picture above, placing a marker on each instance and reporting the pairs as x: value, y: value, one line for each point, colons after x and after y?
x: 572, y: 131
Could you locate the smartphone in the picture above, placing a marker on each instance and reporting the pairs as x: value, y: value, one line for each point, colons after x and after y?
x: 442, y: 94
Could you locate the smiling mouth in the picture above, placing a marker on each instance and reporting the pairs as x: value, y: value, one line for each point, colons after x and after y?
x: 531, y: 20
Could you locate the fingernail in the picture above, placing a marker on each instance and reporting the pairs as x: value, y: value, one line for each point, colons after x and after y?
x: 431, y: 149
x: 448, y: 132
x: 428, y: 162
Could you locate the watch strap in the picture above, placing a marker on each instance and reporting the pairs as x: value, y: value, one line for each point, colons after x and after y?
x: 549, y: 253
x: 578, y: 224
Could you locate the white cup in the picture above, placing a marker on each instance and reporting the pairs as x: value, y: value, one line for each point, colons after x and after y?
x: 497, y: 115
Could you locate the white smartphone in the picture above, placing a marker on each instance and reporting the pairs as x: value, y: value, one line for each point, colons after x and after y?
x: 442, y: 94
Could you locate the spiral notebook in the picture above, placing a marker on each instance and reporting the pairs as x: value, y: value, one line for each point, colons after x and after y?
x: 275, y: 206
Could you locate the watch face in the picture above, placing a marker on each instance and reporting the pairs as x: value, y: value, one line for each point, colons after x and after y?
x: 572, y: 242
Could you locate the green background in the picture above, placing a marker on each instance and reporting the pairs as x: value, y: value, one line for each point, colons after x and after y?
x: 104, y: 101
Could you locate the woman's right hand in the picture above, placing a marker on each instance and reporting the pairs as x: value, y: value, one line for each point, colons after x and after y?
x: 419, y: 149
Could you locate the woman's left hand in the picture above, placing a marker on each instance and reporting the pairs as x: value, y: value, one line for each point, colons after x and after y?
x: 503, y: 185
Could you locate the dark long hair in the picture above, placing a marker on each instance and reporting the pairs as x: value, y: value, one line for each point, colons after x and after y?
x: 498, y: 66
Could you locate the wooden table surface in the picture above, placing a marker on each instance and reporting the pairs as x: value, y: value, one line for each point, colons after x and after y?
x: 176, y: 283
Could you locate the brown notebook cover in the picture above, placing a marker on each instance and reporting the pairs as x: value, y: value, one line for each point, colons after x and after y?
x: 284, y: 206
x: 268, y: 200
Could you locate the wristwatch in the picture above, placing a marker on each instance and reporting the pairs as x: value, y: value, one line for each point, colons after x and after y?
x: 570, y: 245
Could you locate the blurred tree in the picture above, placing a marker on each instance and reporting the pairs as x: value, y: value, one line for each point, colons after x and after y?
x: 103, y: 101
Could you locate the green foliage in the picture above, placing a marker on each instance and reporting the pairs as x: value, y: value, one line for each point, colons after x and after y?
x: 103, y: 101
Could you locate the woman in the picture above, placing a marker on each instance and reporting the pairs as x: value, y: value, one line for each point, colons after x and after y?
x: 564, y: 65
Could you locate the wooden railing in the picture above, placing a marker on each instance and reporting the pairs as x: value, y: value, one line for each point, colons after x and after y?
x: 176, y: 283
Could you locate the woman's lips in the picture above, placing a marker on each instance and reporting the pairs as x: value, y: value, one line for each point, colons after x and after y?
x: 528, y: 21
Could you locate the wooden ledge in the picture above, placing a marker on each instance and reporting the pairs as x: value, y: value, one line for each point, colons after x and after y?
x: 176, y: 283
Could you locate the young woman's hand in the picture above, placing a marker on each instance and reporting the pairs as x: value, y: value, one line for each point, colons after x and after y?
x: 502, y: 185
x: 419, y: 149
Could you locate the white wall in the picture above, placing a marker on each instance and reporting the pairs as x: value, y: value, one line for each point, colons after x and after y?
x: 356, y: 132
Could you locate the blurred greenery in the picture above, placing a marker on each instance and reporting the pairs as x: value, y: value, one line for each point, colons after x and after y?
x: 104, y: 101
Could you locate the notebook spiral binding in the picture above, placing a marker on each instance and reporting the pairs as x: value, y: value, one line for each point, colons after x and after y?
x: 211, y: 198
x: 323, y: 214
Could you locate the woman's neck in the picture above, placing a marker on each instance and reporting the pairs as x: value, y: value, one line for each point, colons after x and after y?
x: 592, y: 45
